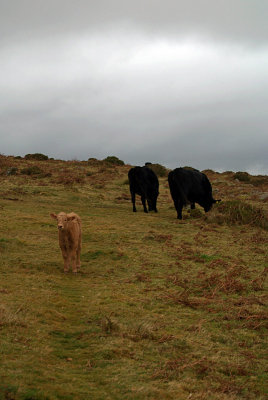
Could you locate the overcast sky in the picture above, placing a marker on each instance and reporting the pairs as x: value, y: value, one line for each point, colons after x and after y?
x: 169, y: 81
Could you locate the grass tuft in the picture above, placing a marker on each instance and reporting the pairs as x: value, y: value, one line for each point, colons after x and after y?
x: 238, y: 212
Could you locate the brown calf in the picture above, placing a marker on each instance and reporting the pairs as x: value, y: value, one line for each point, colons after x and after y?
x: 69, y: 227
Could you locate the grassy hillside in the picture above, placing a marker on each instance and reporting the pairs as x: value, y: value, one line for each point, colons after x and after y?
x: 162, y: 309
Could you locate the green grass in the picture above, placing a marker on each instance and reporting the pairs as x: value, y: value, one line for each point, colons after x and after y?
x: 162, y: 309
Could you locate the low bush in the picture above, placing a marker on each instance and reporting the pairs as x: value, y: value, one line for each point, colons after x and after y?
x: 238, y: 212
x: 113, y: 160
x: 159, y: 169
x: 259, y: 180
x: 12, y: 171
x: 242, y: 176
x: 36, y: 156
x: 34, y: 170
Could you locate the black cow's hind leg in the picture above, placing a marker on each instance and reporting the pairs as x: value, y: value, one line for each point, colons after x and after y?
x: 143, y: 200
x: 178, y: 206
x: 133, y: 201
x: 192, y: 206
x: 154, y: 206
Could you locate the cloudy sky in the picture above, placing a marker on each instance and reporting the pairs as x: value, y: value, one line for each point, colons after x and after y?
x: 179, y: 82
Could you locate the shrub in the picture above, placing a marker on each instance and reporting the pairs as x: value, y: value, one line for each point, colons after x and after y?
x: 34, y: 170
x: 12, y: 171
x: 94, y: 162
x: 259, y: 180
x: 113, y: 160
x: 159, y: 169
x: 242, y: 176
x: 238, y: 212
x: 36, y: 156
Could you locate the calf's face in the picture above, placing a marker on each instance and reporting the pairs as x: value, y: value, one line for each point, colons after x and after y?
x: 62, y: 220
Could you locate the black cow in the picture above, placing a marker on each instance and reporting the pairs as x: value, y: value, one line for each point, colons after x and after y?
x: 190, y: 186
x: 144, y: 182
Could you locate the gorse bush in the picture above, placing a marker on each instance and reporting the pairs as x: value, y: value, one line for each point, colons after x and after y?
x: 34, y: 170
x: 12, y: 171
x: 158, y: 169
x: 113, y: 160
x: 239, y: 212
x: 36, y: 156
x: 242, y: 176
x: 259, y: 180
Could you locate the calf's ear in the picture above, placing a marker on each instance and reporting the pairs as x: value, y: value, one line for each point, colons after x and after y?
x: 54, y: 216
x: 71, y: 218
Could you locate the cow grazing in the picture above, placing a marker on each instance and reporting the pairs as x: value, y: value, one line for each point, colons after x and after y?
x: 69, y: 227
x: 144, y: 182
x: 190, y: 186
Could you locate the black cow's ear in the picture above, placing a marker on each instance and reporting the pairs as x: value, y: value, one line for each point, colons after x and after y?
x: 217, y: 201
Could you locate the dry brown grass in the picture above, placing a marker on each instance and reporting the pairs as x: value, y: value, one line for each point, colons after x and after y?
x: 162, y: 309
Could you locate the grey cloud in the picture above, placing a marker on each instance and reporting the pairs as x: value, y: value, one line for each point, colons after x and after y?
x: 182, y: 85
x: 234, y: 20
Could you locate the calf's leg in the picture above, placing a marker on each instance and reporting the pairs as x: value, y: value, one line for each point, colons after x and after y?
x: 78, y: 257
x: 73, y: 260
x: 65, y: 259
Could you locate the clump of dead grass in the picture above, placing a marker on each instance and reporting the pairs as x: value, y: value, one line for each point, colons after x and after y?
x: 227, y: 282
x: 234, y: 212
x: 141, y: 330
x: 173, y: 369
x: 10, y: 318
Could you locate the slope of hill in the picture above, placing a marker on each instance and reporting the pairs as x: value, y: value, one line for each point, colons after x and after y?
x: 162, y: 309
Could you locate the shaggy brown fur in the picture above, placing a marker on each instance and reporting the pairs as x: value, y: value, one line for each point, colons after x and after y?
x: 70, y: 235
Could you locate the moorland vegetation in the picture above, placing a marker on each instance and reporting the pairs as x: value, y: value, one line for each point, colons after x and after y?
x: 162, y: 309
